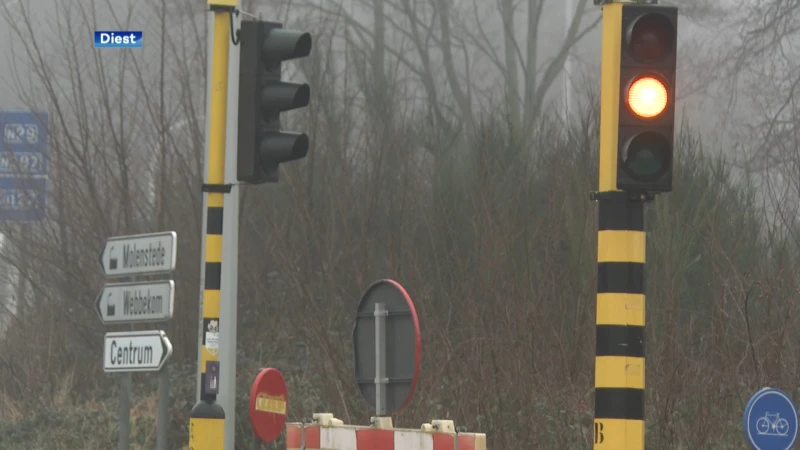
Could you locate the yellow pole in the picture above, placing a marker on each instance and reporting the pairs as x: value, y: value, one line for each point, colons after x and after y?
x: 619, y: 361
x: 207, y: 419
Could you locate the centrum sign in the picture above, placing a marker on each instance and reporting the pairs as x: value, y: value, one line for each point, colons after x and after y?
x: 140, y: 254
x: 136, y: 351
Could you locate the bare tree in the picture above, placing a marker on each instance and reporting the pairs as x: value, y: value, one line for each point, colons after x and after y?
x: 111, y: 115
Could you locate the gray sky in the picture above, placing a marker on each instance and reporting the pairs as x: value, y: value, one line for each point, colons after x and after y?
x: 699, y: 44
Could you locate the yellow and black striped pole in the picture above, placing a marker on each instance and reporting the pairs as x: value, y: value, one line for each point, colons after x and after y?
x: 619, y: 363
x: 207, y: 419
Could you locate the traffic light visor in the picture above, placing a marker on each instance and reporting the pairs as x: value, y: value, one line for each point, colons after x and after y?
x: 283, y: 147
x: 647, y: 156
x: 647, y: 97
x: 651, y: 38
x: 284, y: 44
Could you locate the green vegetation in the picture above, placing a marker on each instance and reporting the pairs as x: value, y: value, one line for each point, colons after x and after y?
x: 499, y: 257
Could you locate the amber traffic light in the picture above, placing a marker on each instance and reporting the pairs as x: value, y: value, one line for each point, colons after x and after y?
x: 647, y: 98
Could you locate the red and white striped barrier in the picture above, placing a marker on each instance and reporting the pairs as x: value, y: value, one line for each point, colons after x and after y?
x: 328, y: 433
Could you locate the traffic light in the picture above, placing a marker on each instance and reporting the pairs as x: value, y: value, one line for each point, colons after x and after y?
x: 647, y: 98
x: 263, y: 96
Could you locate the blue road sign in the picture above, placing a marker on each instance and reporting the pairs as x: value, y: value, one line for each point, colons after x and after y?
x: 24, y: 147
x: 23, y: 166
x: 22, y: 199
x: 770, y: 420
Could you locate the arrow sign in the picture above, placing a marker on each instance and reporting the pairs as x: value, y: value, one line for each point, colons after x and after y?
x: 136, y: 351
x: 136, y: 302
x: 141, y: 254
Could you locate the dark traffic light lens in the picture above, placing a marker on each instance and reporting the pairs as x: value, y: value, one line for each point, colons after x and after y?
x: 651, y: 38
x: 647, y: 156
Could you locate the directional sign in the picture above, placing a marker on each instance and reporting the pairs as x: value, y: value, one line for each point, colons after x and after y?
x: 23, y: 166
x: 24, y: 145
x: 136, y: 351
x: 136, y: 302
x: 22, y: 199
x: 770, y: 420
x: 140, y: 254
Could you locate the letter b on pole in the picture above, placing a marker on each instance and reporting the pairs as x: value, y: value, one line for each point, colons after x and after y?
x: 598, y: 433
x: 263, y: 96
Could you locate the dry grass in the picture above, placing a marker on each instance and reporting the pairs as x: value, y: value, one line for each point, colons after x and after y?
x: 502, y: 273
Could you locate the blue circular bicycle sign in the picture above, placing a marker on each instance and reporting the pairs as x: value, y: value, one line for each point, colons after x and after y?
x: 770, y: 420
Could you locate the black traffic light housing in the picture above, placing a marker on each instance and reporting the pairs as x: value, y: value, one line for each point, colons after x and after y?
x: 262, y: 147
x: 649, y: 44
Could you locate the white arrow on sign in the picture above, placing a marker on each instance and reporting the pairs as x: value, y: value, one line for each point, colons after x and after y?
x: 136, y: 351
x: 140, y: 254
x: 136, y: 302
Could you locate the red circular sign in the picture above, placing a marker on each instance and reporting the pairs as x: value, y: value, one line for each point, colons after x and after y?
x: 269, y: 401
x: 402, y: 345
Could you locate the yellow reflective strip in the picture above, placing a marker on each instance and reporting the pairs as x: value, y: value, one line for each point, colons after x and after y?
x: 621, y: 246
x: 206, y: 434
x: 620, y: 309
x: 211, y: 304
x: 618, y: 434
x: 225, y: 3
x: 213, y: 248
x: 215, y: 199
x: 619, y: 372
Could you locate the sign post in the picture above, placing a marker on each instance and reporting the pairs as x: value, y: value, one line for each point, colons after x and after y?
x: 770, y: 421
x: 136, y: 302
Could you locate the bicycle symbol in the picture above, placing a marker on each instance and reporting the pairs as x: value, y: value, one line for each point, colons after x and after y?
x: 772, y: 425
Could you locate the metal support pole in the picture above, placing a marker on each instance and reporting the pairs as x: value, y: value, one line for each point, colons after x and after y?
x: 230, y: 254
x: 302, y: 434
x: 569, y: 14
x: 207, y: 419
x: 619, y: 361
x: 125, y: 388
x: 125, y: 381
x: 162, y: 424
x: 200, y: 333
x: 380, y: 359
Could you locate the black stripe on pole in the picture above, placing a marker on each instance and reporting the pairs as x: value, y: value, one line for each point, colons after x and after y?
x: 620, y: 277
x: 619, y: 403
x: 214, y: 220
x: 620, y: 340
x: 618, y: 212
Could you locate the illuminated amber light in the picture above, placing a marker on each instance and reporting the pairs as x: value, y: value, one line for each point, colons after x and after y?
x: 647, y: 97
